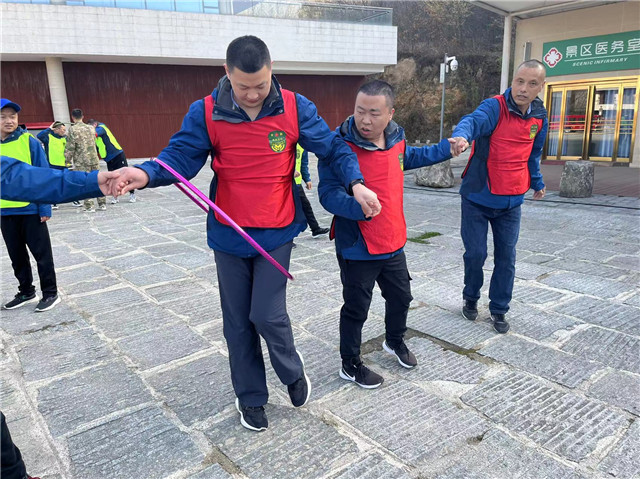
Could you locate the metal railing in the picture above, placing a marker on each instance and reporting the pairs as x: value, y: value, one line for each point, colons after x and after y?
x: 293, y: 10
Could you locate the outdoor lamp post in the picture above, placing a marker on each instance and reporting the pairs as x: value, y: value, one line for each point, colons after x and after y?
x: 449, y: 62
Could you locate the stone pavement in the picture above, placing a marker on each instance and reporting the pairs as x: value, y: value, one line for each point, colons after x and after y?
x: 128, y: 377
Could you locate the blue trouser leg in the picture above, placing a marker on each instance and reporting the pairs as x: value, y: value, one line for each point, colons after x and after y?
x: 505, y: 226
x: 473, y: 230
x: 253, y: 299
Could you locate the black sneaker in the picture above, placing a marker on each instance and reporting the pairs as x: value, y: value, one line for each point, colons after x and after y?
x: 19, y: 300
x: 253, y: 418
x: 300, y: 390
x: 500, y: 323
x: 319, y: 232
x: 405, y: 357
x: 470, y: 310
x: 357, y: 372
x: 76, y: 204
x: 46, y: 304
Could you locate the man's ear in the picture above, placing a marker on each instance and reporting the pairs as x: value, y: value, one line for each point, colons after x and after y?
x: 226, y: 69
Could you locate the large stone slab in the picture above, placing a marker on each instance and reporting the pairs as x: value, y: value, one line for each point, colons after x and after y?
x: 136, y: 319
x: 153, y: 274
x: 295, y: 445
x: 623, y: 462
x: 372, y: 466
x: 212, y: 472
x: 28, y: 326
x: 199, y: 309
x: 604, y: 313
x: 177, y: 289
x: 528, y: 320
x: 143, y: 443
x: 426, y: 428
x: 129, y: 261
x: 585, y: 267
x: 61, y: 354
x: 163, y: 345
x: 109, y: 301
x: 563, y: 423
x: 529, y: 293
x: 619, y: 389
x: 620, y: 351
x: 587, y: 284
x: 198, y: 390
x: 301, y: 305
x: 541, y: 361
x: 79, y: 399
x: 327, y: 328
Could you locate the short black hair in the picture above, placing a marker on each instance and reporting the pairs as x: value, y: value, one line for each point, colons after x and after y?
x: 379, y: 87
x: 77, y: 113
x: 533, y: 63
x: 248, y: 53
x: 92, y: 121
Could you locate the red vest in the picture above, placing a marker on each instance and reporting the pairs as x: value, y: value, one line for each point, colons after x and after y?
x: 254, y: 162
x: 510, y: 146
x: 382, y: 172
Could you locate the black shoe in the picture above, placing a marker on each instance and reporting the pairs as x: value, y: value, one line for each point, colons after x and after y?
x: 470, y: 310
x: 19, y: 300
x: 300, y: 391
x: 319, y: 232
x: 499, y: 323
x: 253, y: 418
x: 46, y: 304
x: 76, y: 204
x: 405, y: 357
x: 357, y: 372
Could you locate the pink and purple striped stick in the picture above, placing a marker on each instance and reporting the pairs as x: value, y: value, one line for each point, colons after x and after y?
x: 234, y: 225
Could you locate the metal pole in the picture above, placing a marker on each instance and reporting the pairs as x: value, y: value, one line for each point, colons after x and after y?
x: 444, y: 84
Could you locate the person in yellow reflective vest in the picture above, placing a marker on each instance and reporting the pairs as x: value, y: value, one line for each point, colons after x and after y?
x: 111, y: 152
x: 302, y: 174
x: 54, y: 141
x: 24, y: 224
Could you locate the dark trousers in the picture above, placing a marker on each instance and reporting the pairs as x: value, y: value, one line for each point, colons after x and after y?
x: 20, y: 232
x: 12, y: 465
x: 358, y: 279
x: 253, y: 296
x: 307, y: 210
x: 118, y: 162
x: 505, y: 225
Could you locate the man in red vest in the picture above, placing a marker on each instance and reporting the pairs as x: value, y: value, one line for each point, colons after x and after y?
x: 508, y: 131
x: 251, y: 126
x: 371, y: 250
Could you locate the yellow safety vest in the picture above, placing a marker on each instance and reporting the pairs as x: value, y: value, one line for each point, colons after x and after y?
x: 102, y: 148
x: 56, y: 150
x: 18, y: 149
x: 299, y: 151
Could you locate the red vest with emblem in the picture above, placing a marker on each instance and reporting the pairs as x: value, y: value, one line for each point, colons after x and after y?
x: 382, y: 172
x: 254, y: 162
x: 510, y: 146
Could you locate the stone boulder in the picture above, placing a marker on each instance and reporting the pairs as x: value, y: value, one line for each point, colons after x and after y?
x: 435, y: 176
x: 577, y: 179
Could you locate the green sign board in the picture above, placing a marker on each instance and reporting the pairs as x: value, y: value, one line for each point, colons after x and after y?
x: 618, y: 51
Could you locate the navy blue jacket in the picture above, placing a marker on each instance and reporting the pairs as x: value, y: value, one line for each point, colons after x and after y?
x: 43, y: 136
x: 479, y: 126
x: 189, y: 148
x: 336, y: 199
x: 111, y: 149
x: 38, y: 158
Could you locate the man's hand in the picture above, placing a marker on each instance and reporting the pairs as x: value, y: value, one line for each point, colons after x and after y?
x: 44, y: 219
x: 309, y: 185
x: 130, y: 179
x: 107, y: 181
x: 458, y: 145
x: 367, y: 199
x: 538, y: 195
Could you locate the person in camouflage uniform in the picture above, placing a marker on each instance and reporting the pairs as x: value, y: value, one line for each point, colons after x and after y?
x: 81, y: 152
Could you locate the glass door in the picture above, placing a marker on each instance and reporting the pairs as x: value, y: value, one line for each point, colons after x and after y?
x: 574, y: 121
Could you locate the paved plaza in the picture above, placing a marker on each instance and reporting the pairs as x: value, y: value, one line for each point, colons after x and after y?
x: 128, y: 377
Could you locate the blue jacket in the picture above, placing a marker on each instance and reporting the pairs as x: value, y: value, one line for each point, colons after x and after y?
x: 112, y: 151
x: 43, y: 136
x: 38, y: 158
x: 304, y: 167
x: 189, y: 148
x: 20, y: 181
x: 336, y: 199
x: 479, y: 126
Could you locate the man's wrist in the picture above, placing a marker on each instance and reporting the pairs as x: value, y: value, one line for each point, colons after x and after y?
x: 358, y: 181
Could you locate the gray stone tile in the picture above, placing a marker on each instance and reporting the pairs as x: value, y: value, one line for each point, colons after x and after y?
x: 619, y: 389
x: 143, y: 443
x: 626, y: 261
x: 633, y: 300
x: 538, y: 324
x: 30, y: 326
x: 541, y: 361
x: 372, y: 466
x: 75, y: 400
x: 623, y: 462
x: 136, y: 319
x: 529, y: 293
x: 69, y: 259
x: 197, y: 309
x: 529, y: 271
x: 296, y: 444
x: 81, y: 273
x: 156, y: 273
x: 212, y: 472
x: 614, y: 349
x: 436, y: 293
x: 62, y: 353
x: 586, y: 284
x: 177, y: 289
x: 604, y: 313
x: 196, y: 391
x: 585, y: 267
x: 434, y: 364
x: 109, y: 301
x: 327, y: 328
x: 563, y: 423
x: 163, y: 345
x: 440, y: 425
x: 191, y: 260
x: 90, y: 286
x: 301, y: 305
x: 129, y: 261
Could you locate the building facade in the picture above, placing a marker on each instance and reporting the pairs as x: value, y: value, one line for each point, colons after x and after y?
x: 138, y: 69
